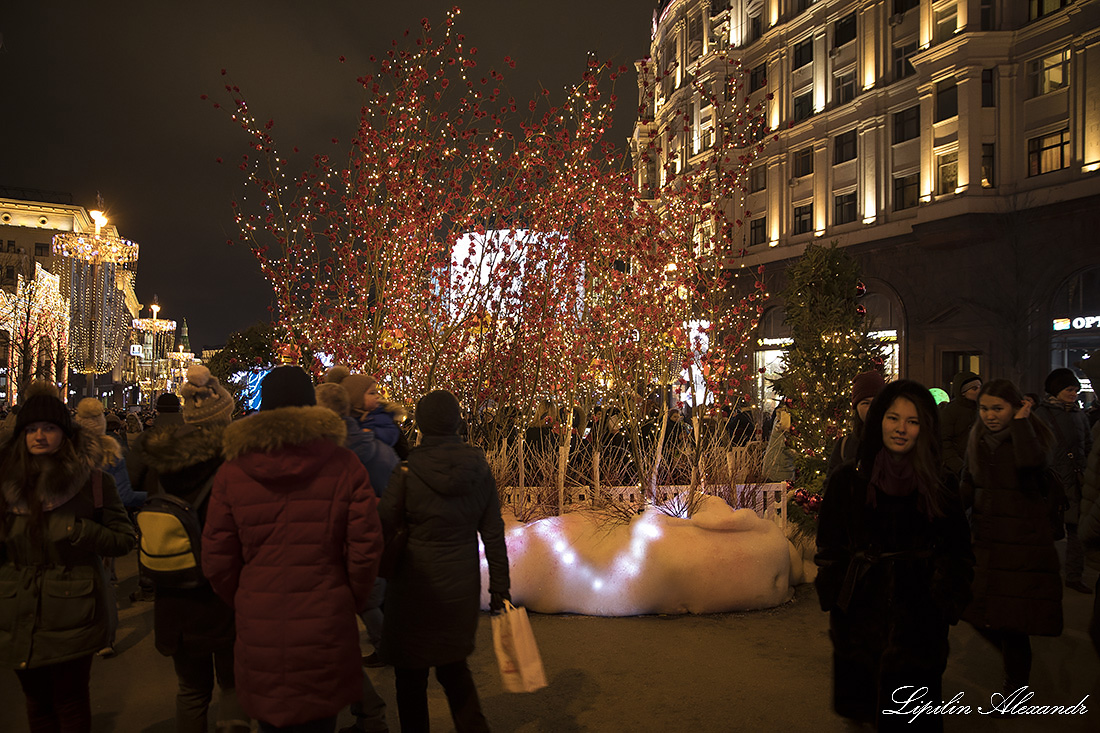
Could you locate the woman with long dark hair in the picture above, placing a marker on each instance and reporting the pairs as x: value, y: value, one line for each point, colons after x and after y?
x: 893, y: 550
x: 1017, y: 581
x: 59, y: 516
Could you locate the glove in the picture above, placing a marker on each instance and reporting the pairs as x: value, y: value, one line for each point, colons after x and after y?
x: 496, y: 601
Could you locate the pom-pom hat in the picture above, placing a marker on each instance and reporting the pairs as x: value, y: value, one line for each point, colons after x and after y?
x: 89, y: 415
x: 205, y: 400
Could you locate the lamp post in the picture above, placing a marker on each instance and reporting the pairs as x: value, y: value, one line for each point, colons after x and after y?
x: 155, y: 331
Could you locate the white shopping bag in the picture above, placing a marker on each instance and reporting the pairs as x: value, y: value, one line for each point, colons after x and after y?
x: 517, y: 654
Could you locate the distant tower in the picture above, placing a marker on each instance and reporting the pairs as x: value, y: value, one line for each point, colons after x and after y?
x: 184, y: 341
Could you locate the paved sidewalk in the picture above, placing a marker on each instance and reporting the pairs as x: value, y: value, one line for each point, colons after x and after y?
x: 761, y: 671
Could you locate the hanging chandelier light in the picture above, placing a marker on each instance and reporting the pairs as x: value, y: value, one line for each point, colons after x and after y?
x: 95, y: 279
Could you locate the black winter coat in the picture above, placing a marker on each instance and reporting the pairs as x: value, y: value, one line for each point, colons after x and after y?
x: 182, y: 459
x: 1017, y: 579
x: 433, y: 599
x: 892, y: 581
x: 1072, y: 443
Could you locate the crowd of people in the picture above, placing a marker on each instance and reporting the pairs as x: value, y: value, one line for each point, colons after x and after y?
x: 294, y: 504
x: 930, y: 516
x: 935, y: 515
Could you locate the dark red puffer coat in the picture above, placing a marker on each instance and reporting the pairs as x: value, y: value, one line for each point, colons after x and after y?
x: 292, y: 541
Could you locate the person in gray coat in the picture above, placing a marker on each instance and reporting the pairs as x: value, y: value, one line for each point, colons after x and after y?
x: 446, y: 497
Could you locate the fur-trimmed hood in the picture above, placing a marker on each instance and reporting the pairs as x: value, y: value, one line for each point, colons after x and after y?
x: 60, y: 480
x: 270, y: 431
x: 176, y: 447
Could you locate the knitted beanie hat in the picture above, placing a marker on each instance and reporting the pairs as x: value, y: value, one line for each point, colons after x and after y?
x: 867, y: 385
x: 1059, y: 379
x: 286, y: 386
x: 438, y: 413
x: 42, y: 404
x: 205, y: 400
x: 114, y: 422
x: 168, y: 402
x: 89, y: 415
x: 334, y: 397
x: 356, y: 385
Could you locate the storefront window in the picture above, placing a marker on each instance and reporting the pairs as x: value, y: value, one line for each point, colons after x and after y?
x: 1076, y: 328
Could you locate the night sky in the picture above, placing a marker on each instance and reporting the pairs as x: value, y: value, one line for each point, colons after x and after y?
x: 105, y: 97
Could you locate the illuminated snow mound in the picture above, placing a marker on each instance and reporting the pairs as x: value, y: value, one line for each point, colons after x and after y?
x: 719, y: 560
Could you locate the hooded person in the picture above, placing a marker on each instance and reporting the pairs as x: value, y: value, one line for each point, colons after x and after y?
x: 368, y: 407
x: 59, y: 516
x: 293, y: 525
x: 957, y: 417
x: 1061, y: 412
x: 109, y: 457
x: 194, y: 626
x: 446, y: 498
x: 168, y: 417
x: 865, y: 387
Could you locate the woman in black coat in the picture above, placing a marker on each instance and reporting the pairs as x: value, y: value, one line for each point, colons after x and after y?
x: 446, y: 497
x: 893, y: 548
x: 1017, y: 582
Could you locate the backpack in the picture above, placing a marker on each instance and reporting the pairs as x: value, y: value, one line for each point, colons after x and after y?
x: 170, y: 550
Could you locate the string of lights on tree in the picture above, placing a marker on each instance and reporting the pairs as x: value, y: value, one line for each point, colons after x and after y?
x: 567, y: 287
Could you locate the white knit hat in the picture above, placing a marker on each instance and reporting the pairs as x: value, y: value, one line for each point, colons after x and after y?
x: 204, y: 399
x: 90, y: 416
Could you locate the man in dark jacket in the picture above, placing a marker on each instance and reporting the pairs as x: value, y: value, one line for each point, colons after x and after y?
x: 446, y: 498
x: 1072, y: 443
x: 957, y: 418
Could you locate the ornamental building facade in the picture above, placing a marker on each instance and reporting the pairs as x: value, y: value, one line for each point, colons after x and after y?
x: 951, y: 146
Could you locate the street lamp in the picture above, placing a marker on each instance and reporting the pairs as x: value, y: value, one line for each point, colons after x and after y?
x: 156, y: 332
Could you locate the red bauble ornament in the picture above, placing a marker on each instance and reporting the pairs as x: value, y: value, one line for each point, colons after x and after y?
x: 861, y: 289
x: 878, y: 361
x: 861, y: 311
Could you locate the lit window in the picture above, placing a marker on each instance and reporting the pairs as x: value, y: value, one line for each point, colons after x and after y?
x: 1048, y: 153
x: 989, y: 160
x: 945, y: 20
x: 947, y: 168
x: 1048, y: 74
x: 1042, y: 8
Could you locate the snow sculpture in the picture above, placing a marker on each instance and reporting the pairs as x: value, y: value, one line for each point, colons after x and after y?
x: 719, y: 560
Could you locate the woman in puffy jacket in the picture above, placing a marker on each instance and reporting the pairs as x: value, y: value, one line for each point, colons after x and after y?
x: 1017, y: 583
x: 292, y: 542
x: 58, y: 517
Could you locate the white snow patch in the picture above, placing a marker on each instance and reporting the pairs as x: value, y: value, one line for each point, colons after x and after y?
x: 719, y: 560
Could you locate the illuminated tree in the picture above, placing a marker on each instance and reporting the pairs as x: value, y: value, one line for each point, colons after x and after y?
x: 563, y: 286
x: 36, y: 318
x: 830, y: 346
